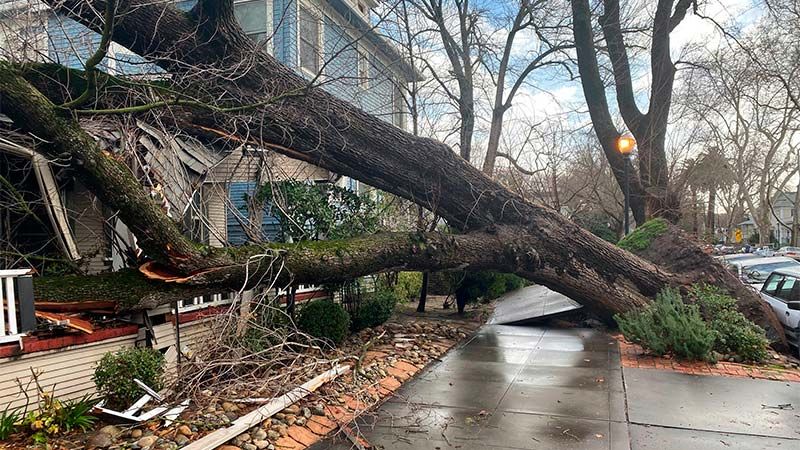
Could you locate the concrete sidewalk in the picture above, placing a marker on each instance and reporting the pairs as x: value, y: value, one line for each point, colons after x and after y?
x: 517, y: 387
x: 509, y: 387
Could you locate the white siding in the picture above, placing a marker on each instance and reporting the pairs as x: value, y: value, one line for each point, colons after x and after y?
x: 70, y: 369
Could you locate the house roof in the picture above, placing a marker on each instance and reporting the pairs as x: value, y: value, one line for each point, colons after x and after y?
x: 747, y: 222
x: 357, y: 21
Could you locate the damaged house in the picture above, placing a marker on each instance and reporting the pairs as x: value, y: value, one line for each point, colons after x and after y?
x: 51, y: 224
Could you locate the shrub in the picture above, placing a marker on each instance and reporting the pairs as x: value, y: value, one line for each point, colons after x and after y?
x: 375, y: 309
x: 115, y: 373
x: 669, y: 326
x: 408, y: 285
x: 641, y: 238
x: 324, y: 319
x: 734, y: 333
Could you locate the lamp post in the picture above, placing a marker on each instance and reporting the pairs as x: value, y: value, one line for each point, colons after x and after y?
x: 625, y: 145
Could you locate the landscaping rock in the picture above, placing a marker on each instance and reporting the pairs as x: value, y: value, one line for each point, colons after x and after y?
x: 136, y: 433
x: 147, y: 441
x: 229, y: 407
x: 181, y: 439
x: 185, y: 430
x: 261, y: 444
x: 100, y: 440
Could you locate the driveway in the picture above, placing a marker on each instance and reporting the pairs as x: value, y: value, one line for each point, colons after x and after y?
x: 518, y: 387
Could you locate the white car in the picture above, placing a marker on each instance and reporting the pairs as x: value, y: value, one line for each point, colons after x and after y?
x: 738, y: 257
x: 791, y: 252
x: 765, y: 251
x: 755, y: 271
x: 782, y: 292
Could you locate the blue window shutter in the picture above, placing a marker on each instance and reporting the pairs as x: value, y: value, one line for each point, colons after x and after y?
x: 270, y: 225
x: 284, y: 19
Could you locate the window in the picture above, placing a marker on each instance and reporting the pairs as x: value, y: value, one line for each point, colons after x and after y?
x: 309, y: 51
x: 252, y: 17
x: 789, y: 290
x: 771, y: 286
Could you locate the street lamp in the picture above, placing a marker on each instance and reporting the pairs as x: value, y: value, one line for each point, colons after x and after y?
x: 625, y: 145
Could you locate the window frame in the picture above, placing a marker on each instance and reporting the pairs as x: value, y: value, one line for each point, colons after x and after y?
x: 398, y: 104
x: 268, y: 30
x: 364, y: 66
x: 319, y: 16
x: 777, y: 286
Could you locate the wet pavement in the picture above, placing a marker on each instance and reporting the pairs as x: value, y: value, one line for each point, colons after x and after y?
x: 509, y: 387
x: 524, y: 387
x: 670, y: 410
x: 531, y: 304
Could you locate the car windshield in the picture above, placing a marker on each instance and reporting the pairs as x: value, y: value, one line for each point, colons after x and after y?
x: 760, y: 272
x: 790, y: 249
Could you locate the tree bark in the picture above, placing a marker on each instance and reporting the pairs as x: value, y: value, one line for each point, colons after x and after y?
x: 423, y: 292
x: 505, y: 232
x: 711, y: 213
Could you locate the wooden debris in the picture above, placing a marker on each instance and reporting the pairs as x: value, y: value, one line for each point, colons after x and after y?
x: 173, y: 413
x: 69, y: 321
x: 148, y: 389
x: 255, y: 417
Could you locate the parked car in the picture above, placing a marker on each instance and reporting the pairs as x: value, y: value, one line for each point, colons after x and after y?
x: 755, y: 271
x: 791, y: 252
x: 782, y: 292
x: 738, y: 257
x: 764, y: 251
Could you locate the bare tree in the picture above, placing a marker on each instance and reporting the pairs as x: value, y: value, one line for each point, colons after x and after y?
x: 650, y: 191
x: 753, y: 118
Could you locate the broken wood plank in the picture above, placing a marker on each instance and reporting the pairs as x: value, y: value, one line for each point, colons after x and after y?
x: 72, y: 322
x: 255, y: 417
x: 134, y: 408
x: 173, y: 413
x: 155, y: 412
x: 99, y: 409
x: 148, y: 389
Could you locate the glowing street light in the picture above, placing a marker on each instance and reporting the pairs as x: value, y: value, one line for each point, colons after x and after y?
x: 625, y: 145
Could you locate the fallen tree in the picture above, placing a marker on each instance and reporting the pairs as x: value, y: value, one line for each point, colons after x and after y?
x: 205, y: 49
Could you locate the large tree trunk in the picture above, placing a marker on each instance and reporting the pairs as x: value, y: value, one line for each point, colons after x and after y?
x: 650, y: 194
x: 504, y: 232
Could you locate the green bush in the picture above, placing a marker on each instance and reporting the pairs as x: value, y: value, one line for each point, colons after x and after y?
x: 375, y: 309
x: 115, y: 373
x: 669, y: 326
x: 408, y: 285
x: 324, y: 319
x: 734, y: 333
x: 487, y: 286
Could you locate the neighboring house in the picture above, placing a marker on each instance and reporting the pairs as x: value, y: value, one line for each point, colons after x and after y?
x: 748, y: 227
x: 206, y: 187
x: 782, y: 216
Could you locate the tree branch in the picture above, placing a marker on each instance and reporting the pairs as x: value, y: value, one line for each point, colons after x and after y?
x: 612, y: 30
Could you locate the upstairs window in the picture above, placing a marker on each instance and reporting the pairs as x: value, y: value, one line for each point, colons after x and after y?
x: 310, y: 40
x: 252, y: 17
